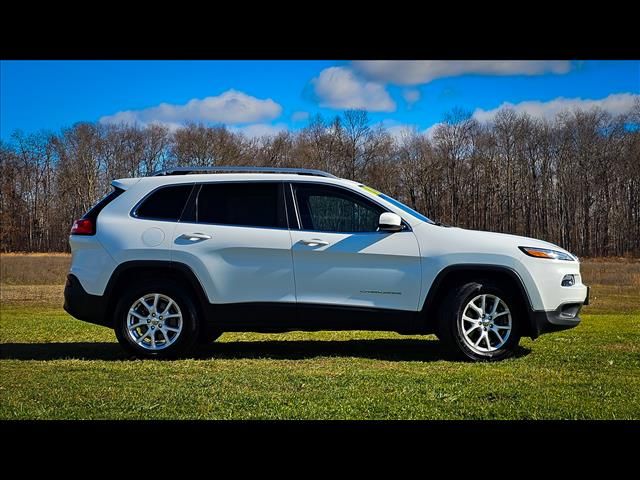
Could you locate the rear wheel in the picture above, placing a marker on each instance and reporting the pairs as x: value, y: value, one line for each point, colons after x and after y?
x: 157, y: 320
x: 480, y: 321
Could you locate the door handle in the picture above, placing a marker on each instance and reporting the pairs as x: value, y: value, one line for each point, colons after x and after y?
x: 194, y: 236
x: 315, y: 242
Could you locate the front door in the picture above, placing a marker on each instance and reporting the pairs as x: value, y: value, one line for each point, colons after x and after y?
x: 340, y: 258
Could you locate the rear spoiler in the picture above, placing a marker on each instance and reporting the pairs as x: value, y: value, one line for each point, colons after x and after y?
x: 124, y: 183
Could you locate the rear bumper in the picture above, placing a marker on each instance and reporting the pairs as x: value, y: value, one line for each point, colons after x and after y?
x: 562, y: 318
x: 82, y: 305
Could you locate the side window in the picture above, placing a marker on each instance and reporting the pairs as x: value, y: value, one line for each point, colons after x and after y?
x: 166, y: 203
x: 254, y: 204
x: 329, y: 209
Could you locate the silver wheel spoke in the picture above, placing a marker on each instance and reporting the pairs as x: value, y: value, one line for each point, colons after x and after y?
x: 495, y: 306
x: 165, y: 334
x: 175, y: 315
x: 171, y: 329
x: 500, y: 314
x: 146, y: 305
x: 136, y: 325
x: 476, y: 308
x: 155, y: 301
x: 469, y: 319
x: 502, y: 327
x: 137, y: 315
x: 495, y: 331
x: 167, y: 307
x: 153, y: 339
x: 471, y: 329
x: 142, y: 338
x: 484, y: 303
x: 480, y: 338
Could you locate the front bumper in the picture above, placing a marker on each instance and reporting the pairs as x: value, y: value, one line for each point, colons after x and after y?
x: 562, y: 318
x: 82, y: 305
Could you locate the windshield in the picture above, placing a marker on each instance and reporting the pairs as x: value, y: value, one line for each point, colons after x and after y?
x: 398, y: 204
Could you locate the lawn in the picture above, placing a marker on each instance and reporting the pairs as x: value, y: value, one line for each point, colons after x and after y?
x: 55, y: 367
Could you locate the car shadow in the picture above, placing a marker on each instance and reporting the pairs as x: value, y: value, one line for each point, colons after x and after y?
x: 398, y: 350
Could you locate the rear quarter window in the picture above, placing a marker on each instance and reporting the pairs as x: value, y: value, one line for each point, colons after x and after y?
x: 165, y: 203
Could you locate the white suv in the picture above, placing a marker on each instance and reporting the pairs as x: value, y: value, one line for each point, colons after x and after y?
x: 187, y: 254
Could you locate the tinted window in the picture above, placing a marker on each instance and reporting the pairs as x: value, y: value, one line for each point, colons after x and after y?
x: 258, y: 204
x: 165, y: 203
x: 331, y: 209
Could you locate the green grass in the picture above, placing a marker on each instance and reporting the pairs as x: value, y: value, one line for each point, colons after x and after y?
x: 55, y: 367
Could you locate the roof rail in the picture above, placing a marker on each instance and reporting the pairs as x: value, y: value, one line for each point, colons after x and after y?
x: 225, y: 169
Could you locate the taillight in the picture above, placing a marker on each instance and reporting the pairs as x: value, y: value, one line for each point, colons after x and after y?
x: 83, y: 226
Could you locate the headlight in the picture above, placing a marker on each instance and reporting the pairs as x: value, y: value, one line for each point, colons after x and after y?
x: 546, y: 253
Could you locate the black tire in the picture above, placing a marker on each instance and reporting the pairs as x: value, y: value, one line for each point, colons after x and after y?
x: 182, y: 342
x: 208, y: 335
x: 450, y: 323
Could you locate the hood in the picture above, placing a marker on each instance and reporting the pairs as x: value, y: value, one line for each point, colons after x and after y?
x: 463, y: 240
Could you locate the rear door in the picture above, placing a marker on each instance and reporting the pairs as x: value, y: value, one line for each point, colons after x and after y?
x: 234, y: 235
x: 341, y: 259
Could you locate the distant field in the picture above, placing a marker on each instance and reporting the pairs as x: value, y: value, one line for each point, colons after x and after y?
x: 55, y: 367
x: 34, y: 268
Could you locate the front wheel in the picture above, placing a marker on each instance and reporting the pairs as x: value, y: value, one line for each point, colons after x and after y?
x: 480, y: 321
x: 156, y: 320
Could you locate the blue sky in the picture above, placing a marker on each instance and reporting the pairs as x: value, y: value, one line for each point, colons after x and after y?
x: 258, y: 97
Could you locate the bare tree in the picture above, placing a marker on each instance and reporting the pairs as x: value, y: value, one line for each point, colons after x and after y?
x: 573, y: 180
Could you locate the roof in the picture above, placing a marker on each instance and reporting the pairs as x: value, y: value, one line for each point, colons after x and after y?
x: 243, y: 169
x: 229, y: 177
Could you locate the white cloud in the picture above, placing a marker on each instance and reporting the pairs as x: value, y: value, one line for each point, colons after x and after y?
x: 340, y: 88
x: 258, y: 130
x: 411, y: 96
x: 299, y: 116
x: 396, y: 129
x: 416, y: 72
x: 171, y: 126
x: 398, y: 132
x: 615, y: 104
x: 230, y: 107
x: 429, y: 131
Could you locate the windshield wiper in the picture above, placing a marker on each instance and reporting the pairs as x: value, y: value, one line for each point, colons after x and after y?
x: 440, y: 224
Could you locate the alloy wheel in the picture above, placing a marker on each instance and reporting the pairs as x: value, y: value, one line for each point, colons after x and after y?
x: 486, y: 323
x: 154, y: 321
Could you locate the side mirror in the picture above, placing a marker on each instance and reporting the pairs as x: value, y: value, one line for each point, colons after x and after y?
x: 389, y: 222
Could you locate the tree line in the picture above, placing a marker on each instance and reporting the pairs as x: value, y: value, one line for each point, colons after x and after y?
x: 573, y: 180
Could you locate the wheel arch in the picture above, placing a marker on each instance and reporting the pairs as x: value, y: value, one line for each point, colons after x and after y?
x: 453, y: 275
x: 135, y: 270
